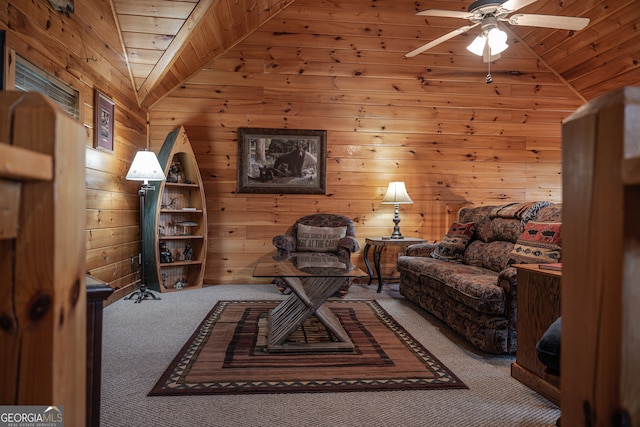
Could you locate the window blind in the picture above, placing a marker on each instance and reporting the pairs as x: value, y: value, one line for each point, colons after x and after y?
x: 29, y: 78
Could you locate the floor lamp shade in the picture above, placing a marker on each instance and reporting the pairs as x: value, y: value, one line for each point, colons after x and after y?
x: 396, y: 195
x: 145, y: 167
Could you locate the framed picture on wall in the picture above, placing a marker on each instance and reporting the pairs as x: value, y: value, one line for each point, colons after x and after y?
x: 104, y: 118
x: 282, y: 161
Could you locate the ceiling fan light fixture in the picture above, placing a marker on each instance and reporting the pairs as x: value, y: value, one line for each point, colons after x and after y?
x: 477, y: 45
x: 497, y: 41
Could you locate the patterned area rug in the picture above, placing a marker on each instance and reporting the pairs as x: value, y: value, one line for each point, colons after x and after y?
x: 227, y: 355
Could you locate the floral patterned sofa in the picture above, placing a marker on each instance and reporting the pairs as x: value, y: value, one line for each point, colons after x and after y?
x: 467, y: 279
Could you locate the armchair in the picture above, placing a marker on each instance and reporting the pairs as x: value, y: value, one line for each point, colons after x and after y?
x: 337, y: 234
x: 327, y: 233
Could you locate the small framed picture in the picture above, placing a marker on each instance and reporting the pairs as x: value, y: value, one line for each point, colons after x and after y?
x: 104, y: 118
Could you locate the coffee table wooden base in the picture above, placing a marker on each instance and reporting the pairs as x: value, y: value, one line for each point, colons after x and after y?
x: 306, y: 299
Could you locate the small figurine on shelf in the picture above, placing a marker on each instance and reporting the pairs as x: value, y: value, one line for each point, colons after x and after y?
x: 175, y: 172
x: 164, y: 280
x: 181, y: 283
x: 188, y: 252
x: 165, y: 254
x: 171, y: 205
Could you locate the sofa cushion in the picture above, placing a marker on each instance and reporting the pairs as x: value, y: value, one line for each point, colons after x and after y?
x: 484, y: 232
x: 506, y: 229
x: 475, y: 287
x: 453, y: 244
x: 319, y: 239
x: 494, y: 255
x: 539, y: 243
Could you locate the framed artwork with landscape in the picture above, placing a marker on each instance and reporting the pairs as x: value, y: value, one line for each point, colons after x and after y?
x: 282, y: 161
x: 104, y: 118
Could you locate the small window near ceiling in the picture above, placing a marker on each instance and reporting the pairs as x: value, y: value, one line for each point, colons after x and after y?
x: 30, y: 78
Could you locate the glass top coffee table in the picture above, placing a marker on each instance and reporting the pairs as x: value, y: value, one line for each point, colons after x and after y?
x: 312, y: 278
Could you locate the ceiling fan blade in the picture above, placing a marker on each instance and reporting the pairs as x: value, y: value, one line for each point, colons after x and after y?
x: 513, y: 5
x: 549, y: 21
x: 445, y: 13
x: 439, y: 40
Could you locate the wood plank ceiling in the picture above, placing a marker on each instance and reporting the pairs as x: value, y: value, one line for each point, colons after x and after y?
x: 168, y: 41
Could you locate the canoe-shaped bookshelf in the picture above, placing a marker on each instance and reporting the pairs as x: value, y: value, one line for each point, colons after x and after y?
x: 176, y: 220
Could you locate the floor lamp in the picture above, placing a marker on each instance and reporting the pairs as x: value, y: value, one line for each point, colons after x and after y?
x: 396, y: 195
x: 145, y: 168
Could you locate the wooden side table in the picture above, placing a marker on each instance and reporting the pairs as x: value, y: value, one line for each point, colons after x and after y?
x: 379, y: 243
x: 538, y: 307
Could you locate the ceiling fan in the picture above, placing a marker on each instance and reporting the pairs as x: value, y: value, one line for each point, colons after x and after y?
x: 487, y: 14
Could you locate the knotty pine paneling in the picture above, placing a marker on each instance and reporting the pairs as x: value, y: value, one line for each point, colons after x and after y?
x: 431, y: 121
x: 84, y: 50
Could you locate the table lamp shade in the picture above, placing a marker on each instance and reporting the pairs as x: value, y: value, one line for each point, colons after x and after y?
x: 396, y: 194
x: 145, y: 167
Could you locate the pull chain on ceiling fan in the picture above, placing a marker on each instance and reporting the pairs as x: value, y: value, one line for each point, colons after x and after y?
x: 487, y: 14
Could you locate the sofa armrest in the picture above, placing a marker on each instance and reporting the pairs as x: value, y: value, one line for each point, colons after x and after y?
x: 350, y: 243
x: 285, y: 244
x: 507, y: 281
x: 420, y: 249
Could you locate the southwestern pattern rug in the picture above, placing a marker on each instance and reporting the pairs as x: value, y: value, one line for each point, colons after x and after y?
x: 227, y: 355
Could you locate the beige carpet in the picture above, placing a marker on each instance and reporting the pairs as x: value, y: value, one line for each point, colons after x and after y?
x: 140, y: 340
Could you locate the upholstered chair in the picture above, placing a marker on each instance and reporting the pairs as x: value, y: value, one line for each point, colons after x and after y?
x: 338, y: 231
x: 320, y: 233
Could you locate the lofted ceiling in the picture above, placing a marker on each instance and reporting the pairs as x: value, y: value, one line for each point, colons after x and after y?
x: 168, y: 41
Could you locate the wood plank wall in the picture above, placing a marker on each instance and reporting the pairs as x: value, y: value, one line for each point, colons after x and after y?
x: 430, y: 121
x: 84, y: 50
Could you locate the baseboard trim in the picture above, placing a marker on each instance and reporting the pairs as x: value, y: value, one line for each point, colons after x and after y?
x: 535, y: 383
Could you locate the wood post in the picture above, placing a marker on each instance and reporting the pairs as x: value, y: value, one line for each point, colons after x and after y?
x: 42, y: 279
x: 600, y: 370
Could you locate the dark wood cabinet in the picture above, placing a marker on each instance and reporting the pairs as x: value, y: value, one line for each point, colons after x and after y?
x: 97, y: 292
x: 538, y: 307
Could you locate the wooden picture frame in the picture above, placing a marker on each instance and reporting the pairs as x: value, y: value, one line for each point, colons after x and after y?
x: 103, y: 122
x: 282, y: 161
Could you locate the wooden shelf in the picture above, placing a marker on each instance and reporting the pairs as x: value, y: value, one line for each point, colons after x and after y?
x: 179, y: 263
x: 181, y: 184
x: 165, y: 213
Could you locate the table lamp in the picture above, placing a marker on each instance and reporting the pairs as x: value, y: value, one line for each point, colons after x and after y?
x: 396, y: 195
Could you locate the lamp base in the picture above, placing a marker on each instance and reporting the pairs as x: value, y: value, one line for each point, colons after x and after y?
x: 396, y: 228
x: 142, y: 293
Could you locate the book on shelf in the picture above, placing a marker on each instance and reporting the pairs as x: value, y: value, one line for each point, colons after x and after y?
x: 555, y: 266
